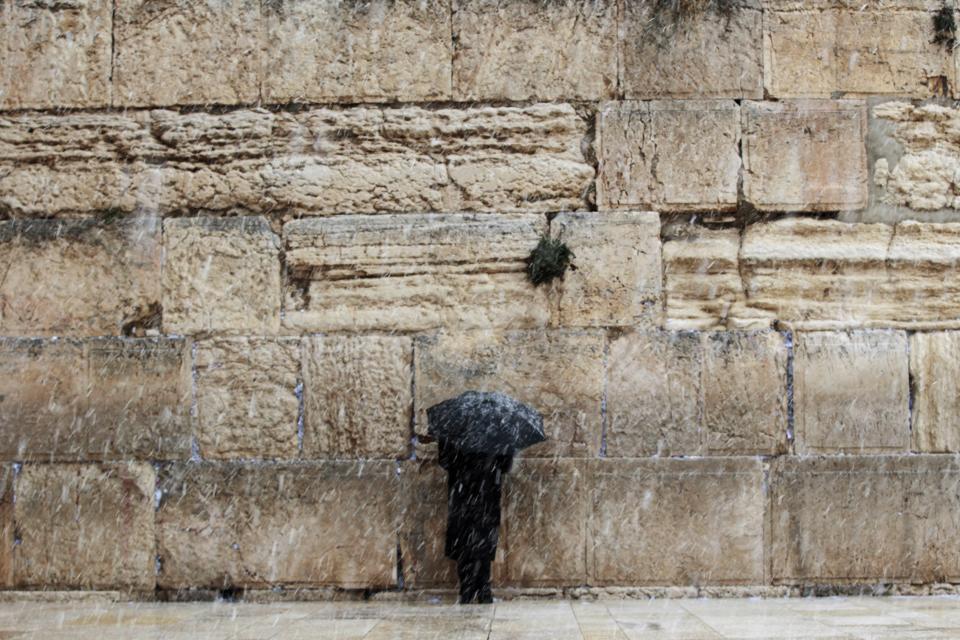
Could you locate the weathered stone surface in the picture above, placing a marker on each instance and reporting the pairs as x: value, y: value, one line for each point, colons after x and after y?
x: 533, y: 50
x: 249, y: 525
x: 247, y: 404
x: 559, y: 373
x: 851, y: 392
x: 85, y: 526
x: 678, y: 522
x: 220, y: 275
x: 55, y: 54
x: 934, y: 376
x: 358, y: 397
x: 375, y: 50
x: 360, y: 159
x: 6, y: 525
x: 183, y: 52
x: 805, y: 155
x: 618, y: 270
x: 412, y: 272
x: 669, y: 155
x: 79, y: 277
x: 424, y: 525
x: 710, y: 55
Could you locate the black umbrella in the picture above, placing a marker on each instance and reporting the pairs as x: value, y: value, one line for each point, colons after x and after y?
x: 485, y: 422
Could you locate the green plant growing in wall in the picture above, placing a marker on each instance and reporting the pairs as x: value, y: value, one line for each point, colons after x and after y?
x: 549, y: 260
x: 945, y: 28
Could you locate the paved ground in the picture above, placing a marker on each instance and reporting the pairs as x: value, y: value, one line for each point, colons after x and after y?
x: 901, y: 618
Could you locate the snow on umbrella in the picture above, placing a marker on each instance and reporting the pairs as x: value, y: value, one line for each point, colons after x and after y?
x: 485, y: 422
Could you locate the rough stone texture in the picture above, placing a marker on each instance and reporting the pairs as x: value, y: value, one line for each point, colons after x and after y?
x: 55, y: 54
x: 358, y: 397
x: 412, y: 272
x: 805, y: 155
x: 79, y: 277
x: 375, y: 50
x: 934, y: 376
x: 252, y: 525
x: 328, y: 161
x: 85, y: 526
x: 247, y: 404
x: 220, y: 275
x: 534, y: 50
x: 710, y: 55
x: 897, y: 515
x: 669, y: 155
x: 677, y: 522
x: 559, y: 373
x: 618, y: 270
x: 424, y: 525
x: 851, y: 392
x: 183, y: 52
x: 7, y: 533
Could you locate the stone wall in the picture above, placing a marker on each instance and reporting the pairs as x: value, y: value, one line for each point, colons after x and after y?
x: 244, y: 245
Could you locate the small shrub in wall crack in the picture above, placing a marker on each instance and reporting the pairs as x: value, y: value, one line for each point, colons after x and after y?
x: 550, y: 259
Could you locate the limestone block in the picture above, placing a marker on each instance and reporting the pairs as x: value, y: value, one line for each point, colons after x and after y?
x: 375, y: 50
x: 424, y: 526
x: 669, y: 155
x: 558, y: 372
x: 85, y: 526
x: 256, y: 525
x: 805, y: 155
x: 55, y: 54
x: 677, y: 522
x: 79, y: 277
x: 618, y: 271
x: 934, y: 375
x: 711, y: 55
x: 851, y: 392
x: 247, y: 397
x: 412, y: 272
x: 221, y: 275
x: 358, y: 398
x: 182, y: 52
x: 529, y: 50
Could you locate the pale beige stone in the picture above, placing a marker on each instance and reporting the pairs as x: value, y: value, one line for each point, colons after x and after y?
x: 669, y: 155
x: 220, y: 275
x: 55, y: 54
x: 247, y: 397
x: 934, y: 376
x: 374, y: 50
x: 79, y: 277
x: 358, y: 397
x: 617, y: 274
x: 424, y: 526
x: 805, y: 155
x: 558, y: 372
x: 530, y: 50
x: 680, y: 522
x: 85, y: 526
x: 412, y: 272
x: 254, y: 525
x: 851, y: 392
x: 183, y: 52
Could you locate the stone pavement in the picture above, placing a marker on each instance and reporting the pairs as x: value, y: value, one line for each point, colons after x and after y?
x: 898, y: 618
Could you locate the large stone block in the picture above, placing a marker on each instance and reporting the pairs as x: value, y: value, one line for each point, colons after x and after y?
x: 851, y: 392
x: 533, y: 50
x: 358, y: 397
x: 256, y: 525
x: 412, y: 272
x: 676, y: 522
x: 669, y: 155
x: 247, y: 397
x: 375, y: 50
x: 220, y: 275
x: 935, y: 380
x: 85, y: 526
x: 424, y: 526
x: 55, y: 54
x: 79, y: 277
x: 560, y: 373
x: 182, y: 52
x: 713, y: 54
x: 618, y: 270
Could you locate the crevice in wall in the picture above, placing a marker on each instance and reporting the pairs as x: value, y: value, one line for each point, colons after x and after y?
x: 194, y: 406
x: 414, y: 441
x: 911, y: 392
x: 788, y: 341
x: 603, y: 396
x: 298, y: 391
x: 113, y: 51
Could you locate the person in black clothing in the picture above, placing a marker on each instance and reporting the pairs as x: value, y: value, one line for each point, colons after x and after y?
x: 473, y: 516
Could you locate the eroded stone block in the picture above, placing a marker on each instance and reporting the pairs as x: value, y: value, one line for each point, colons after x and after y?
x: 424, y: 526
x: 934, y: 375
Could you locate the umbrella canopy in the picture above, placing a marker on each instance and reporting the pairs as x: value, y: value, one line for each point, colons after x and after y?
x: 485, y: 422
